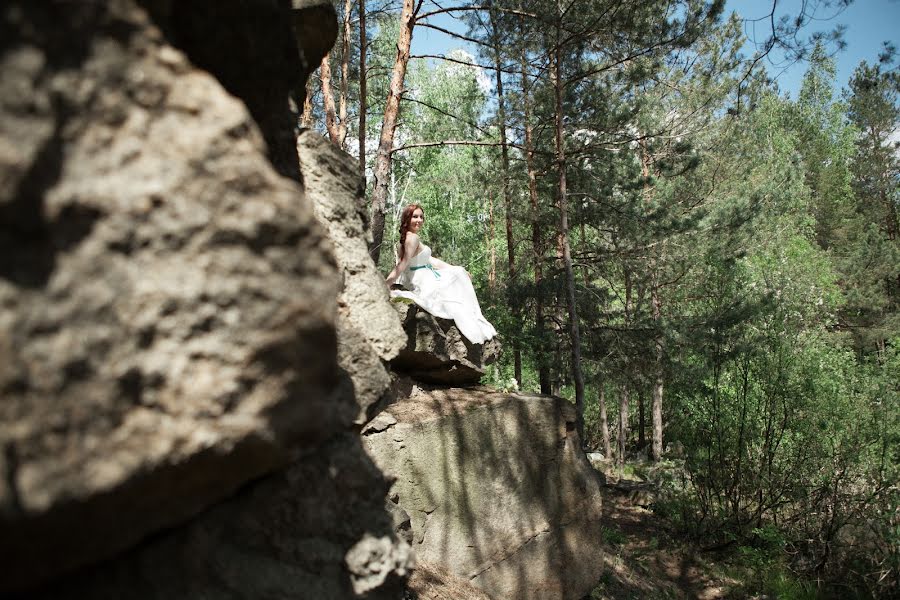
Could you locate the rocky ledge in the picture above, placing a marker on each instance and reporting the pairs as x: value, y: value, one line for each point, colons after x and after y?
x: 436, y: 352
x: 495, y: 487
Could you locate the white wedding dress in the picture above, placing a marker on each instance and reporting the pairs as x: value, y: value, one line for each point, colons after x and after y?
x: 446, y: 293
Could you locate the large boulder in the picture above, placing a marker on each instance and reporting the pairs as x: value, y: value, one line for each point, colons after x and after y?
x: 432, y: 582
x: 168, y: 306
x: 436, y: 352
x: 260, y: 51
x: 369, y: 330
x: 496, y: 487
x: 318, y: 530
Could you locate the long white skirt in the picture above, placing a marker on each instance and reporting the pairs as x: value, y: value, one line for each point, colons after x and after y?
x: 448, y: 293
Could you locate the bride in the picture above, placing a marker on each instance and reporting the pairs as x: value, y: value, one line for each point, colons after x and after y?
x: 441, y: 289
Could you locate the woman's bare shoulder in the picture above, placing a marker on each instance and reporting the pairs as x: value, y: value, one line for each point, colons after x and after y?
x: 412, y: 237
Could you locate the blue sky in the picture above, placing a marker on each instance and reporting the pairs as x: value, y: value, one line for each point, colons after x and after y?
x: 868, y: 22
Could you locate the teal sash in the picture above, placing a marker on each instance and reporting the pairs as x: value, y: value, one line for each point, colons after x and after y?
x: 429, y: 267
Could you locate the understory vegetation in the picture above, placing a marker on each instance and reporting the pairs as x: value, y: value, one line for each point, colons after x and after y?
x: 708, y: 268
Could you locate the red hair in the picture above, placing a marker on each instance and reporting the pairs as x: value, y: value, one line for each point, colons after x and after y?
x: 404, y: 225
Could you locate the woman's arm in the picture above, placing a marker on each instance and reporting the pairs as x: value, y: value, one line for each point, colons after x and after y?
x: 409, y: 250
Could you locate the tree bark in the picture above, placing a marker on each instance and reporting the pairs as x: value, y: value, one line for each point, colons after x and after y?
x: 306, y: 119
x: 362, y: 88
x: 507, y: 201
x: 574, y: 332
x: 604, y: 424
x: 642, y: 433
x: 492, y: 253
x: 658, y: 340
x: 345, y: 74
x: 328, y: 98
x: 622, y: 429
x: 659, y: 344
x: 389, y: 127
x: 542, y: 367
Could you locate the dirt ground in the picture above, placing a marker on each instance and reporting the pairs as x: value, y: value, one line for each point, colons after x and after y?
x: 643, y: 560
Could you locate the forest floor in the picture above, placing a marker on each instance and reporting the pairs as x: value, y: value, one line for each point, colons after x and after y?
x: 644, y: 558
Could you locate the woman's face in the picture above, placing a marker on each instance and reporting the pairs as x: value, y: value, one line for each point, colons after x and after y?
x: 417, y: 220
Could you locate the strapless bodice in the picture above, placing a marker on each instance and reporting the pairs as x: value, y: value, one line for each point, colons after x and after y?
x: 422, y: 258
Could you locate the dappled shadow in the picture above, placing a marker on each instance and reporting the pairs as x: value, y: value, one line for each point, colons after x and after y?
x: 30, y: 240
x: 496, y: 487
x: 643, y: 559
x: 286, y: 533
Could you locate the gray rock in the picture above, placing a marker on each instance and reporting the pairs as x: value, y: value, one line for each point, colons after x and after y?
x: 675, y: 449
x: 497, y: 489
x: 369, y: 330
x: 168, y: 308
x: 401, y: 520
x: 436, y: 352
x: 318, y: 530
x: 433, y: 582
x: 596, y: 459
x: 261, y: 51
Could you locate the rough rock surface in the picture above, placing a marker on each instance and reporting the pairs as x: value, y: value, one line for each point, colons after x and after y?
x: 259, y: 51
x: 316, y: 530
x: 168, y: 307
x: 496, y: 488
x: 436, y: 352
x: 432, y: 582
x: 369, y: 330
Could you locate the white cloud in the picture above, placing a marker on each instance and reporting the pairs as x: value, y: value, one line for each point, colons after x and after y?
x: 484, y: 82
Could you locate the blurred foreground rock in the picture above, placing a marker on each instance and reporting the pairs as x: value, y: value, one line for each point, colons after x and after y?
x: 369, y: 330
x: 316, y: 530
x: 171, y: 395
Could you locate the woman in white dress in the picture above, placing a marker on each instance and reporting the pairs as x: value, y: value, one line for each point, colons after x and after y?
x: 441, y: 289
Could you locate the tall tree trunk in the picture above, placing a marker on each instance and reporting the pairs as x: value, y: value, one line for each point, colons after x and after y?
x: 564, y: 234
x: 389, y: 126
x: 306, y: 119
x: 507, y: 201
x: 328, y: 98
x: 362, y: 88
x: 489, y: 242
x: 622, y: 429
x: 543, y: 367
x: 345, y: 73
x: 604, y: 423
x: 659, y: 344
x: 642, y: 433
x: 658, y: 340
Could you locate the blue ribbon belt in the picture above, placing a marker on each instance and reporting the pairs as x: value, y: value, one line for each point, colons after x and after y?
x: 429, y: 267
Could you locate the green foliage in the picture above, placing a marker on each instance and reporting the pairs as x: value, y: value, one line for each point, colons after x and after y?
x: 613, y: 537
x: 448, y: 181
x: 741, y: 248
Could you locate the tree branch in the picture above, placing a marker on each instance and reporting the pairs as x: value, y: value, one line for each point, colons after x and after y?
x: 511, y: 11
x: 443, y: 112
x: 468, y: 64
x: 450, y: 143
x: 456, y: 35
